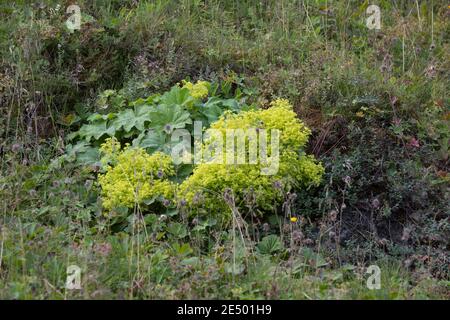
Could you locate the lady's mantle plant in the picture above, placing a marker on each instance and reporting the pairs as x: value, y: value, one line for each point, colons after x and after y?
x: 133, y: 176
x: 205, y: 188
x: 134, y: 144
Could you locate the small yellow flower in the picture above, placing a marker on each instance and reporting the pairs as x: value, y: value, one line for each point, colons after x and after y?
x: 294, y: 219
x: 360, y: 114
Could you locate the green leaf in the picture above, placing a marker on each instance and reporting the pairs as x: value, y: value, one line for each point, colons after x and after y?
x: 155, y: 98
x: 315, y: 259
x: 205, y: 224
x: 270, y: 245
x: 192, y: 261
x: 149, y: 201
x: 96, y: 131
x: 215, y: 107
x: 235, y: 269
x: 174, y: 117
x: 89, y: 156
x: 171, y: 212
x: 152, y: 140
x: 150, y: 219
x: 100, y: 117
x: 124, y: 120
x: 211, y: 110
x: 183, y: 249
x: 183, y: 171
x: 231, y: 104
x: 129, y: 119
x: 177, y: 229
x: 177, y: 96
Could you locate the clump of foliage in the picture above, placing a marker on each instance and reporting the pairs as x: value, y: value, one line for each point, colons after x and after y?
x: 133, y: 176
x: 197, y: 90
x: 138, y: 174
x: 205, y: 188
x: 148, y: 123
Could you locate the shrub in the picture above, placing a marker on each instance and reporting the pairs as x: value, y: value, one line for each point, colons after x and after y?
x: 205, y: 187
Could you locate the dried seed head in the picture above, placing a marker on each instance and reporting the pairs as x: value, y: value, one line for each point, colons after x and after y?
x: 406, y: 234
x: 348, y: 180
x: 15, y: 147
x: 88, y: 184
x: 228, y: 196
x: 277, y: 185
x: 333, y: 215
x: 375, y: 203
x: 297, y: 235
x: 168, y: 128
x: 197, y: 198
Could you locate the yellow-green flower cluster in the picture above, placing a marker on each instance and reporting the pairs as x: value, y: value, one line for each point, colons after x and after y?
x: 198, y: 90
x: 135, y: 176
x: 281, y: 103
x: 205, y: 187
x: 294, y: 134
x: 109, y: 150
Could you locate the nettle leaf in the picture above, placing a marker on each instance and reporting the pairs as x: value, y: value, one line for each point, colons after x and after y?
x: 177, y: 96
x: 169, y: 117
x: 96, y: 131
